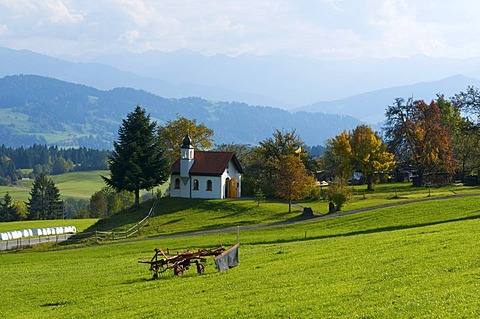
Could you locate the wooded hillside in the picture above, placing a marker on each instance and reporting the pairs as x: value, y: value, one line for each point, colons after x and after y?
x: 35, y: 109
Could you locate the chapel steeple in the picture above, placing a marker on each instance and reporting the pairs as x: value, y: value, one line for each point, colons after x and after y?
x: 187, y: 154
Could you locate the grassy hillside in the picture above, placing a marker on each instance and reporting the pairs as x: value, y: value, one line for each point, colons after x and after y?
x: 179, y: 215
x: 74, y: 184
x: 174, y: 215
x: 419, y: 260
x: 79, y: 184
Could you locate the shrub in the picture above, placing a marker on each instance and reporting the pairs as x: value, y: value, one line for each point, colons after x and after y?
x: 338, y: 193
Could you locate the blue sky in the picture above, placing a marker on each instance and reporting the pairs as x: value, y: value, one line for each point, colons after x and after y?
x: 321, y: 29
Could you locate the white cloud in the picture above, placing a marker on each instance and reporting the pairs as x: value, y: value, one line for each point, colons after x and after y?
x: 139, y: 11
x: 61, y: 14
x: 321, y: 28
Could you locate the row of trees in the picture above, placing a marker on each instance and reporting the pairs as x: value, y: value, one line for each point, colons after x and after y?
x: 45, y: 203
x: 47, y: 160
x: 361, y: 150
x: 278, y: 167
x: 441, y: 137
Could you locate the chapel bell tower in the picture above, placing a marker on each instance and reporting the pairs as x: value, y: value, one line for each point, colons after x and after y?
x: 187, y: 154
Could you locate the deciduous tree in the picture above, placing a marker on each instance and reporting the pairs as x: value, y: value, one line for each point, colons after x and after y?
x: 469, y: 102
x: 262, y: 164
x: 361, y: 150
x: 338, y: 193
x: 292, y: 182
x: 467, y: 139
x: 173, y: 133
x: 418, y: 135
x: 20, y: 209
x: 61, y: 166
x: 98, y: 207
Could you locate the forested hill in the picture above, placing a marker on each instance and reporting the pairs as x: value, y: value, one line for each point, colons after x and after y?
x: 35, y: 109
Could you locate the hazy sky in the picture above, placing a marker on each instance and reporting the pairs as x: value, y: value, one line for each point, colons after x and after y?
x: 322, y: 28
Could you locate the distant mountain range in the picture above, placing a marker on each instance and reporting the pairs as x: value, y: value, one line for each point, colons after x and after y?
x: 106, y: 77
x: 370, y: 107
x: 277, y: 81
x: 37, y: 109
x: 292, y: 82
x: 82, y: 103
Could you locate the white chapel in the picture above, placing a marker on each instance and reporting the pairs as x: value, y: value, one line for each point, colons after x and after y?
x: 209, y: 175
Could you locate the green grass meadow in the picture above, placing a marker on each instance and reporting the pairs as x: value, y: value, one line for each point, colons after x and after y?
x: 392, y: 193
x: 417, y: 260
x: 78, y: 185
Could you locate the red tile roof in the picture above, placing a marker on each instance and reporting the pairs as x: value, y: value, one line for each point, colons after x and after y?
x: 209, y: 163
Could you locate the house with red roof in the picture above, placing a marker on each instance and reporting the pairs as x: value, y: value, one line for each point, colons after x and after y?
x: 209, y: 175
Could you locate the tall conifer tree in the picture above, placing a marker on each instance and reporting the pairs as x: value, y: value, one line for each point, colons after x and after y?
x: 138, y: 160
x: 6, y: 208
x: 44, y: 202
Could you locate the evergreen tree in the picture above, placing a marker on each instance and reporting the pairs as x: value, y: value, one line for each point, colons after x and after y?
x: 8, y: 171
x: 44, y: 202
x: 259, y: 196
x: 138, y: 160
x: 7, y: 212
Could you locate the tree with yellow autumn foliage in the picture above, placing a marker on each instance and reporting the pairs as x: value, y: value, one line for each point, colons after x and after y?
x: 361, y: 150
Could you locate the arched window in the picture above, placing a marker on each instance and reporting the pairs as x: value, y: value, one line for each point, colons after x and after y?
x: 177, y: 183
x: 195, y: 184
x: 209, y: 185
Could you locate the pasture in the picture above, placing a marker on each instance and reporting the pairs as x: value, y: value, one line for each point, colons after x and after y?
x: 417, y: 260
x: 78, y: 185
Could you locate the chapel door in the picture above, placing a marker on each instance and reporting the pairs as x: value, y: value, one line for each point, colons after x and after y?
x: 232, y: 188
